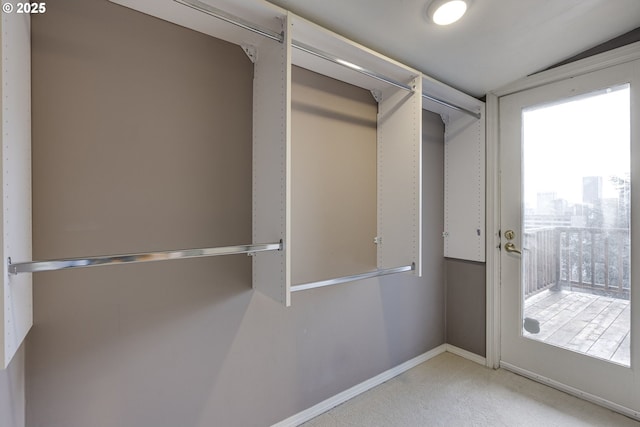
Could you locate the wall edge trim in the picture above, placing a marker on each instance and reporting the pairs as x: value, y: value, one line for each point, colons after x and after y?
x: 358, y: 389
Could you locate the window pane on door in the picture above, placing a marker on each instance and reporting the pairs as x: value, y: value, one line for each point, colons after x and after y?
x: 576, y: 224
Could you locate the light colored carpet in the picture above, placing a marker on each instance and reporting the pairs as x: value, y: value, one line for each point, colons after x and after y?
x: 451, y: 391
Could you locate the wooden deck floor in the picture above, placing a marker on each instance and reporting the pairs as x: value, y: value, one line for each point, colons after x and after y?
x: 596, y: 325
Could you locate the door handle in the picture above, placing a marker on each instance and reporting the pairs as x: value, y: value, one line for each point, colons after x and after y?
x: 511, y: 248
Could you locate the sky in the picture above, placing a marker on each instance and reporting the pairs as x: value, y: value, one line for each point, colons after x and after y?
x: 583, y: 136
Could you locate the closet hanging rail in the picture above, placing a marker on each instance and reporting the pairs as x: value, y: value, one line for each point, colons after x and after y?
x: 355, y: 277
x: 328, y: 57
x: 234, y: 20
x: 230, y: 19
x: 63, y: 264
x: 453, y: 107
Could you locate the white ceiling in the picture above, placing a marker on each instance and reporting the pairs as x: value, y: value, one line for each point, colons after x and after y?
x: 496, y: 43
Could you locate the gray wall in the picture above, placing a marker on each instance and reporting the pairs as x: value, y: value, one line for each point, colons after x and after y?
x: 466, y: 305
x: 142, y: 141
x: 12, y: 393
x: 333, y: 180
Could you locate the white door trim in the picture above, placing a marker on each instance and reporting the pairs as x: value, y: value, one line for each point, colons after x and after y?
x: 597, y: 62
x: 492, y: 232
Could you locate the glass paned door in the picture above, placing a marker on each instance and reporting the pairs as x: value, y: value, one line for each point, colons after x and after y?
x: 576, y: 223
x: 569, y: 164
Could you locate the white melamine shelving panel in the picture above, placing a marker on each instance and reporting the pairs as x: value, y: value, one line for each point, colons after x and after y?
x: 464, y: 182
x: 464, y: 170
x: 400, y: 177
x: 16, y: 291
x: 324, y: 40
x: 262, y: 14
x: 272, y: 166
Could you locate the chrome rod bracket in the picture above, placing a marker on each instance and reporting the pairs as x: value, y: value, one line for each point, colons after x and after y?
x: 279, y: 249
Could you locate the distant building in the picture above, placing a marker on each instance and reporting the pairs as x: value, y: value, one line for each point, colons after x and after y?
x: 552, y: 212
x: 593, y: 212
x: 591, y: 189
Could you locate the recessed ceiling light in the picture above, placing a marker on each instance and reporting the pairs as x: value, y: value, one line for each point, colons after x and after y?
x: 445, y: 12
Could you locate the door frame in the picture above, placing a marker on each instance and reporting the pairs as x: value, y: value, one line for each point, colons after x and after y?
x: 593, y: 63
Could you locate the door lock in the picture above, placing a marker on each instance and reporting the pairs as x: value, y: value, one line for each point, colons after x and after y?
x: 511, y: 248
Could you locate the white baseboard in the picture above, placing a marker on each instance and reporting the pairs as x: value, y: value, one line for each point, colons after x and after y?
x: 466, y: 354
x: 354, y: 391
x: 572, y: 391
x: 340, y: 398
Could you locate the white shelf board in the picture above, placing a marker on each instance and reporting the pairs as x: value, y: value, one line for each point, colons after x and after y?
x: 400, y: 178
x: 272, y: 167
x: 262, y: 14
x: 336, y: 45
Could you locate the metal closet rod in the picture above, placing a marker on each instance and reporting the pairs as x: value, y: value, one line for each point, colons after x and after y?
x: 63, y: 264
x: 234, y: 20
x: 327, y: 56
x: 345, y: 279
x: 230, y: 19
x: 452, y: 106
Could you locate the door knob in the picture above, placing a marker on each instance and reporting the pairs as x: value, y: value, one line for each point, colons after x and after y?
x: 511, y: 248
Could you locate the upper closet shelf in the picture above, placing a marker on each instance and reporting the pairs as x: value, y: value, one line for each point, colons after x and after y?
x: 458, y: 104
x: 349, y: 57
x: 198, y: 15
x: 248, y: 22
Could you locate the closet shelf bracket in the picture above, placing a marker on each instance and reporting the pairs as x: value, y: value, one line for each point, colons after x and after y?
x: 63, y: 264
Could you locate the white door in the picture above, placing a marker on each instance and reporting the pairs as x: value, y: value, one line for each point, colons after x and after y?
x: 570, y: 234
